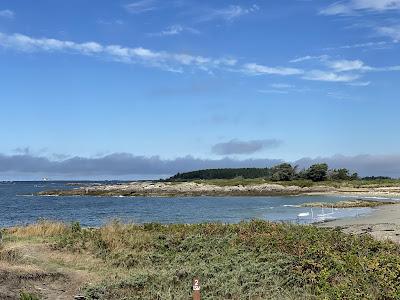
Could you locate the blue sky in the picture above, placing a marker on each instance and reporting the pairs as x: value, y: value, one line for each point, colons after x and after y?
x: 215, y: 80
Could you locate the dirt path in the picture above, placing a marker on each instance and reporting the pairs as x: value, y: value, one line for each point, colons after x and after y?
x: 47, y: 285
x: 36, y: 269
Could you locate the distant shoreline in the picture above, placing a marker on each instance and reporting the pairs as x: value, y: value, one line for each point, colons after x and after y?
x: 182, y: 189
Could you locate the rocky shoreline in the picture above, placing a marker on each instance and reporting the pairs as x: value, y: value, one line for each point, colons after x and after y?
x: 168, y: 189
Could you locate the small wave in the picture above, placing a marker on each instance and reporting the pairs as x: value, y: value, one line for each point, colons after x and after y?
x: 290, y: 205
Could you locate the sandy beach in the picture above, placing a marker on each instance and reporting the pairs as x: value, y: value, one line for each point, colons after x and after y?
x: 383, y: 223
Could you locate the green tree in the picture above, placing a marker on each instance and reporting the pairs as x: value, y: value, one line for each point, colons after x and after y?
x: 283, y: 172
x: 354, y: 176
x: 339, y: 174
x: 317, y: 172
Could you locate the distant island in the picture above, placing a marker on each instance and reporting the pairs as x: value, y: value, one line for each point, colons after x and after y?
x: 281, y: 172
x: 283, y: 179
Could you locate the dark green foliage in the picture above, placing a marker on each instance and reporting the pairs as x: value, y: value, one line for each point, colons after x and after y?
x: 317, y: 172
x: 342, y: 174
x: 223, y: 174
x: 76, y: 227
x: 283, y: 172
x: 376, y: 178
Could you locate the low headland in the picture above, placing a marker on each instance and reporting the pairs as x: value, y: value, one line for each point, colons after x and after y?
x: 283, y: 179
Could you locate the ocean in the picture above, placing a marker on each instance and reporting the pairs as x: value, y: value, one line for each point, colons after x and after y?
x: 20, y: 205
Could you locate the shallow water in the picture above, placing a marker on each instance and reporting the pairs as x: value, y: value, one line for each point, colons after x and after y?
x: 19, y: 205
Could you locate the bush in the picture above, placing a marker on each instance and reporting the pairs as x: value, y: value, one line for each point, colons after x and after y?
x: 27, y: 296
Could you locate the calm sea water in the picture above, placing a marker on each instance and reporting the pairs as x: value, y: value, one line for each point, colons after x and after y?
x: 20, y: 205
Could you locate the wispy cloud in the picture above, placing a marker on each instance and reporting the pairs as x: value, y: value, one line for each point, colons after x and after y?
x: 6, y: 13
x: 360, y: 83
x: 373, y: 45
x: 318, y: 75
x: 308, y: 57
x: 337, y: 65
x: 228, y: 14
x: 141, y: 6
x: 175, y: 30
x: 272, y: 91
x: 277, y: 88
x: 256, y: 69
x: 340, y: 70
x: 345, y: 65
x: 392, y: 32
x: 236, y: 146
x: 281, y: 86
x: 329, y: 70
x: 352, y: 7
x: 166, y: 60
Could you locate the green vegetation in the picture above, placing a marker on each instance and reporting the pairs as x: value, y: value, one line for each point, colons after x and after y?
x: 27, y: 296
x: 349, y: 203
x: 252, y: 260
x: 246, y: 173
x: 359, y: 183
x: 281, y: 172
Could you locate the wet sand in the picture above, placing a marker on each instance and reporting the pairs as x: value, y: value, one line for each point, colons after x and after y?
x: 383, y: 223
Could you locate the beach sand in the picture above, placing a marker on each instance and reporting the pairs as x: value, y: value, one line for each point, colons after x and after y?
x: 383, y: 223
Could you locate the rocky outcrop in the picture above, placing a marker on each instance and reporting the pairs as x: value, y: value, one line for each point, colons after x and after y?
x: 186, y: 189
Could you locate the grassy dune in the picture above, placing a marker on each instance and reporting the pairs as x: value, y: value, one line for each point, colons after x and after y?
x: 254, y: 260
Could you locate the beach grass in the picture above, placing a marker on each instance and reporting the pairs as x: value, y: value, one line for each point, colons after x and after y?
x: 249, y: 260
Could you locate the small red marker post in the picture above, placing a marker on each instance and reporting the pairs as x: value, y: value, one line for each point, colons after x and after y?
x: 196, y: 288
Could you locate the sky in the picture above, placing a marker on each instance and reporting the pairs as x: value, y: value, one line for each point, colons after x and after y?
x: 143, y: 89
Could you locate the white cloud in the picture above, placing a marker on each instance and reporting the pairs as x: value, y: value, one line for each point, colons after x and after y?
x: 360, y: 83
x: 352, y: 7
x: 256, y: 69
x: 141, y: 6
x: 175, y: 30
x: 172, y: 30
x: 308, y: 57
x: 377, y: 45
x: 162, y: 59
x: 281, y: 86
x: 390, y: 31
x: 318, y: 75
x: 333, y: 71
x: 6, y: 13
x: 348, y: 65
x: 229, y: 13
x: 271, y: 91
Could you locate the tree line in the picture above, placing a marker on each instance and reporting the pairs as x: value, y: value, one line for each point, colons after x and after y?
x: 281, y: 172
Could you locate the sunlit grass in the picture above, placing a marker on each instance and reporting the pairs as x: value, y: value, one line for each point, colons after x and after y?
x: 253, y: 260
